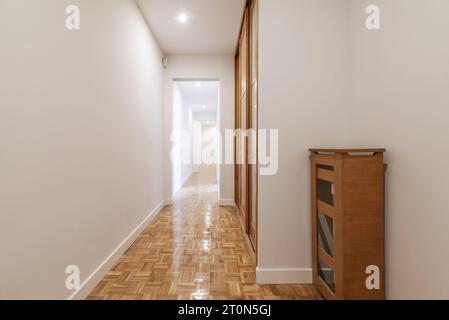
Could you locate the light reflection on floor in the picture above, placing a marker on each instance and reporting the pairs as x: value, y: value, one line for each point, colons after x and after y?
x: 193, y: 250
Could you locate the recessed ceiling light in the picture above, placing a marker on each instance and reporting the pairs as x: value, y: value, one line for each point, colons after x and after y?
x: 198, y: 85
x: 204, y: 106
x: 182, y: 17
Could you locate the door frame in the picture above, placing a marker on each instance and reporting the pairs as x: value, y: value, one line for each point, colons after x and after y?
x: 173, y: 82
x: 254, y: 5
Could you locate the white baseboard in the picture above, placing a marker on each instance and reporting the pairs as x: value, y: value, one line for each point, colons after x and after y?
x: 284, y: 276
x: 226, y: 203
x: 92, y: 281
x: 168, y: 202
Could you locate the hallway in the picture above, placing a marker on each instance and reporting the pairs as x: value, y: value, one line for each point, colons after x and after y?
x: 193, y: 250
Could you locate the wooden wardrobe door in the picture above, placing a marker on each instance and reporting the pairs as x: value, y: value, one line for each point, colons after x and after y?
x: 236, y: 140
x: 243, y: 125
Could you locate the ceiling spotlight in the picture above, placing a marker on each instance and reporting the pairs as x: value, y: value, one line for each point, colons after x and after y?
x: 198, y: 85
x: 204, y: 107
x: 182, y: 17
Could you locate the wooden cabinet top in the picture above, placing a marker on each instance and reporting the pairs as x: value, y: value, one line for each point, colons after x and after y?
x: 345, y: 151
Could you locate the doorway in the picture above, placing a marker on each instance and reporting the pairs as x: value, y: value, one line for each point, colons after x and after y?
x: 195, y: 135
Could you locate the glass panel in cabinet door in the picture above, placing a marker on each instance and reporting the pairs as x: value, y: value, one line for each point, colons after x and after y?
x: 325, y: 191
x: 326, y: 274
x: 326, y: 234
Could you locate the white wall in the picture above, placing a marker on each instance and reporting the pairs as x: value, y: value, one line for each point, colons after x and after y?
x: 302, y: 79
x: 219, y: 67
x: 400, y: 97
x: 205, y: 116
x: 210, y: 143
x: 338, y: 85
x: 80, y: 136
x: 183, y: 166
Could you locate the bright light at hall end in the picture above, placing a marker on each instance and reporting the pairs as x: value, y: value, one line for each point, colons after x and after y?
x: 183, y: 17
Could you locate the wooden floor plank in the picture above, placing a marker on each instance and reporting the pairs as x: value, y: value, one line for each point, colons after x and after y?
x: 193, y: 250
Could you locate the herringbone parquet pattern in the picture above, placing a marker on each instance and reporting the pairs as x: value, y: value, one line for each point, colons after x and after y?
x: 192, y: 250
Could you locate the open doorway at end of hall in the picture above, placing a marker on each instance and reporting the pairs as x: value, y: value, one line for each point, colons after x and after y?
x: 195, y: 135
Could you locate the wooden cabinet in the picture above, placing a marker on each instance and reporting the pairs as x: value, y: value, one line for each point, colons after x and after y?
x: 348, y: 223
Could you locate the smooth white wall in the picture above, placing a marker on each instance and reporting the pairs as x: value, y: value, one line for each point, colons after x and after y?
x: 183, y: 166
x: 220, y: 67
x: 80, y: 136
x: 205, y: 116
x: 400, y: 100
x: 177, y: 151
x: 335, y: 84
x: 302, y: 85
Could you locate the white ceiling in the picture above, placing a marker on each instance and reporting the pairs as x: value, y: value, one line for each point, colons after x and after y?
x: 206, y: 94
x: 212, y: 26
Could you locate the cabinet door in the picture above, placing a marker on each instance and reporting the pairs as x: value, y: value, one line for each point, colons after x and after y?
x: 323, y: 228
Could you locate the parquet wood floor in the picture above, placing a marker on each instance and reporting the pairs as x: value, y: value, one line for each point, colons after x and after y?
x: 193, y: 250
